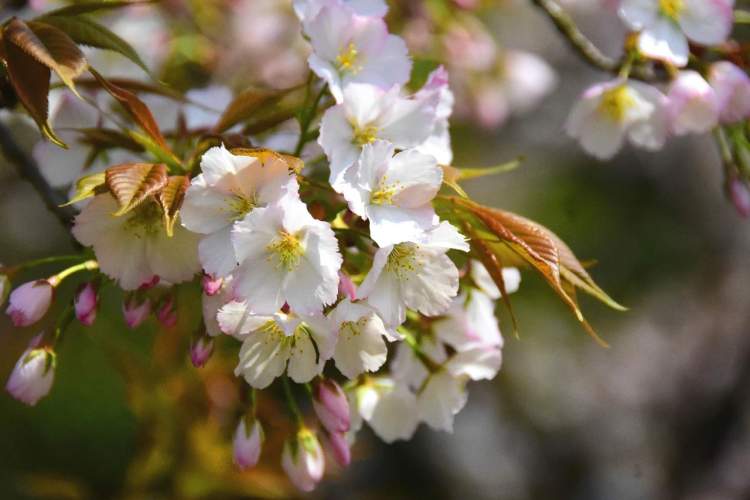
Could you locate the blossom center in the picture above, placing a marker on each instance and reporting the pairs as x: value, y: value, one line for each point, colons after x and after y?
x: 350, y: 329
x: 615, y: 103
x: 384, y: 194
x: 240, y: 205
x: 402, y: 260
x: 347, y: 60
x: 671, y: 8
x: 288, y: 250
x: 365, y: 135
x: 145, y: 220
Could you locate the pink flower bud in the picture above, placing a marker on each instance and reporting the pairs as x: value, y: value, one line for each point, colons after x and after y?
x: 331, y: 406
x: 303, y: 460
x: 201, y: 350
x: 211, y: 285
x: 732, y: 87
x: 32, y: 376
x: 29, y: 302
x: 346, y: 287
x: 740, y: 196
x: 167, y: 312
x: 136, y: 310
x: 247, y: 444
x: 338, y: 446
x: 85, y: 302
x: 692, y: 104
x: 151, y: 283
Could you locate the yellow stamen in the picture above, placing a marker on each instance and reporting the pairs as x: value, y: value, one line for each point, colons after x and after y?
x: 350, y: 329
x: 615, y: 103
x: 403, y: 261
x: 240, y: 205
x: 288, y: 250
x: 364, y: 135
x: 384, y: 194
x: 145, y: 220
x: 671, y: 8
x: 346, y: 61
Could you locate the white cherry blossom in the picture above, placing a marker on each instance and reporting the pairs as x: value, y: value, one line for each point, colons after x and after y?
x: 349, y: 48
x: 133, y: 248
x: 388, y: 407
x: 441, y: 399
x: 283, y: 342
x: 393, y: 192
x: 360, y: 346
x: 419, y: 276
x: 368, y: 113
x: 693, y: 106
x: 438, y: 143
x: 732, y: 87
x: 228, y: 188
x: 609, y: 112
x: 286, y: 255
x: 666, y: 25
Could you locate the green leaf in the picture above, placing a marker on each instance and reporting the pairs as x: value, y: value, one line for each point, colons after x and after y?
x: 161, y: 154
x: 87, y: 32
x: 87, y: 187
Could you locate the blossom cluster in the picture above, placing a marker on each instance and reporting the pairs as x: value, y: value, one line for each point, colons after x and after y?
x: 364, y: 269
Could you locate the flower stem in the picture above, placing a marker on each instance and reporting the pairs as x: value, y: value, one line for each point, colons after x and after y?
x: 63, y: 321
x: 89, y: 265
x: 306, y: 121
x: 291, y: 402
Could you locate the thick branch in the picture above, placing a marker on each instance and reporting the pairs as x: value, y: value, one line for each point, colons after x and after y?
x: 29, y: 170
x: 585, y: 47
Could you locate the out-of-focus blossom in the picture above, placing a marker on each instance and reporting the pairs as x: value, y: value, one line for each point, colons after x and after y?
x: 135, y: 309
x: 229, y: 187
x: 166, y: 312
x: 438, y: 144
x: 30, y: 302
x: 394, y: 192
x: 525, y: 79
x: 283, y: 343
x: 609, y: 112
x: 419, y: 276
x: 247, y: 443
x: 693, y: 106
x: 388, y: 407
x: 367, y: 114
x: 32, y: 377
x: 308, y: 9
x: 441, y: 399
x: 360, y: 346
x: 205, y: 106
x: 131, y: 249
x: 331, y: 406
x: 201, y: 350
x: 482, y: 279
x: 85, y: 303
x: 732, y: 87
x: 286, y: 255
x: 303, y: 460
x: 666, y: 25
x: 348, y: 48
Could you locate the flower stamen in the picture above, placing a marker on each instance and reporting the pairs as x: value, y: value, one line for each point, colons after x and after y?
x: 615, y: 103
x: 288, y: 250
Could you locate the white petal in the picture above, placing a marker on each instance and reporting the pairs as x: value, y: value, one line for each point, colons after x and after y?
x: 408, y: 122
x: 302, y: 366
x: 218, y: 162
x: 432, y: 286
x: 262, y: 359
x: 664, y: 41
x: 708, y: 22
x: 217, y: 253
x: 389, y: 65
x: 418, y: 178
x: 174, y: 259
x: 336, y: 136
x: 442, y: 398
x: 394, y: 417
x: 477, y: 364
x: 638, y: 14
x: 204, y: 210
x: 360, y: 347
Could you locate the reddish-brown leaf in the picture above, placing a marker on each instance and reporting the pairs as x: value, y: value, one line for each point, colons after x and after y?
x: 245, y: 105
x: 49, y: 46
x: 132, y: 183
x: 136, y: 108
x: 170, y: 198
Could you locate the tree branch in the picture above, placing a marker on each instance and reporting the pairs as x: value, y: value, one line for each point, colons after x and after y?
x: 29, y: 170
x: 585, y: 47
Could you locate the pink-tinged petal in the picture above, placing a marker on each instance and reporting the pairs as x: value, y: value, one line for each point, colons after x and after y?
x: 740, y: 196
x: 732, y: 87
x: 85, y: 303
x: 33, y: 375
x: 201, y: 350
x: 692, y: 104
x: 707, y: 22
x: 331, y: 406
x: 338, y: 446
x: 135, y: 309
x: 303, y: 460
x: 247, y: 443
x: 29, y: 302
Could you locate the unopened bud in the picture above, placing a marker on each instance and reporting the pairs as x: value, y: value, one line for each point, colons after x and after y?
x: 211, y: 285
x: 85, y: 303
x: 32, y: 376
x: 201, y: 350
x: 331, y: 406
x: 135, y: 309
x: 740, y: 196
x: 167, y: 312
x: 29, y: 302
x: 303, y: 460
x: 338, y: 446
x: 247, y: 444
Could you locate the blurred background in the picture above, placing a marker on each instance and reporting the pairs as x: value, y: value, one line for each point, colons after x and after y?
x: 664, y: 413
